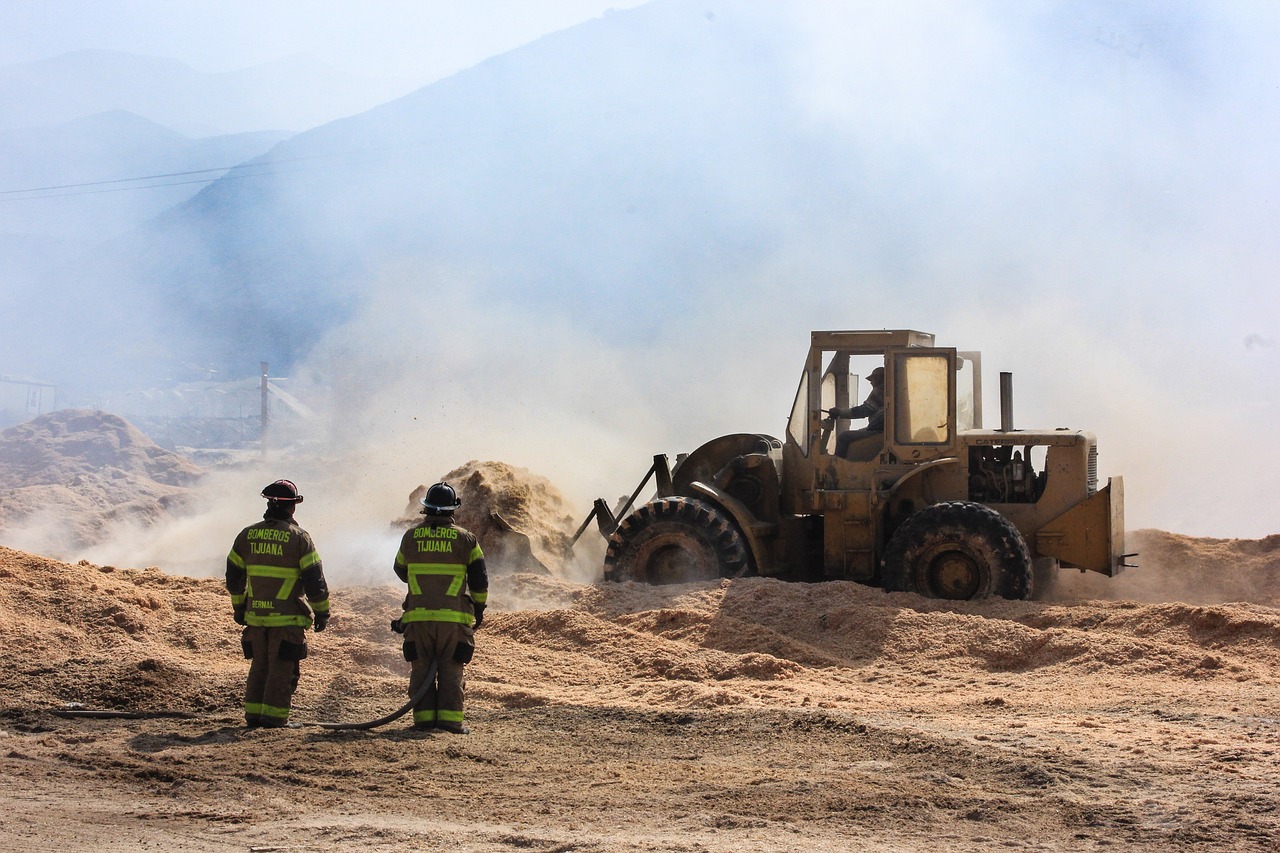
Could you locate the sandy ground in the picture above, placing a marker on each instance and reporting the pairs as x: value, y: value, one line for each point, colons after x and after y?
x: 745, y: 715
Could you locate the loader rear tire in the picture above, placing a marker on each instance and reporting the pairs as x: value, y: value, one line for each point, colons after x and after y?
x: 958, y: 550
x: 676, y: 540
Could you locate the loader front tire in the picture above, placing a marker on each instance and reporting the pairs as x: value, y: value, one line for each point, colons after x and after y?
x: 676, y: 540
x: 958, y: 550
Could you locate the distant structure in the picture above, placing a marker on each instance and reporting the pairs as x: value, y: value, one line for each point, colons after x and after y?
x: 23, y: 399
x: 213, y: 414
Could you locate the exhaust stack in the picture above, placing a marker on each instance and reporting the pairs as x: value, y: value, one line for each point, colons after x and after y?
x: 1006, y: 401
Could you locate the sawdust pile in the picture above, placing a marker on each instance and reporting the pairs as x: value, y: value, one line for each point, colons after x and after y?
x: 68, y: 475
x: 746, y: 714
x: 121, y: 638
x: 520, y: 518
x: 1172, y: 567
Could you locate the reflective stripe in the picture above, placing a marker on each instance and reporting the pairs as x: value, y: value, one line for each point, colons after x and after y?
x: 456, y: 571
x: 480, y: 597
x: 320, y: 606
x: 260, y: 709
x: 237, y: 599
x: 449, y: 716
x: 235, y: 558
x: 288, y: 574
x: 276, y: 620
x: 272, y: 711
x: 476, y: 554
x: 421, y: 614
x: 309, y: 559
x: 425, y: 716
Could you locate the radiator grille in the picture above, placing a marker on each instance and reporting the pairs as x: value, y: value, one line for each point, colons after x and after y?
x: 1093, y: 468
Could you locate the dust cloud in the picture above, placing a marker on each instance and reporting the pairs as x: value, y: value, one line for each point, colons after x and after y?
x: 88, y: 485
x: 1001, y: 716
x: 569, y: 259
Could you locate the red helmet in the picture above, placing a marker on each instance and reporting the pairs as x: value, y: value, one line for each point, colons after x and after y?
x: 282, y: 491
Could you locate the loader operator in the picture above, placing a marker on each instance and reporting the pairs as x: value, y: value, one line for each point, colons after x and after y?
x: 271, y: 565
x: 872, y: 409
x: 448, y: 585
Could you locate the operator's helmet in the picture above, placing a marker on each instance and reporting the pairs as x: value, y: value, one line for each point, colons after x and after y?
x: 441, y: 499
x: 282, y: 491
x: 876, y: 377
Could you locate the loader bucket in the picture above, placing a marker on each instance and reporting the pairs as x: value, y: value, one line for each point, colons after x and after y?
x: 1090, y: 535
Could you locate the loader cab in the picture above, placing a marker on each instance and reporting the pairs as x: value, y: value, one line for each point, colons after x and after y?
x: 931, y: 393
x: 922, y: 409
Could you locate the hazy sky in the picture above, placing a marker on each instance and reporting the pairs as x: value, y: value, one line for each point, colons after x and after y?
x: 419, y: 39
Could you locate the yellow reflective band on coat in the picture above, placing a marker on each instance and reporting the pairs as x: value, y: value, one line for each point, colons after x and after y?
x: 288, y: 574
x: 308, y: 560
x: 422, y: 614
x: 480, y: 597
x: 476, y: 554
x: 320, y: 606
x: 276, y: 620
x: 453, y: 570
x: 236, y: 559
x: 237, y: 598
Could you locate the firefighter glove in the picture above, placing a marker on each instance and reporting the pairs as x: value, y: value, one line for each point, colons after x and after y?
x: 837, y: 413
x: 479, y: 615
x: 397, y: 626
x: 322, y: 621
x: 237, y: 614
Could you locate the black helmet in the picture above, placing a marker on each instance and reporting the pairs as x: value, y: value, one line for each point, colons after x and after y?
x: 282, y: 491
x: 441, y: 499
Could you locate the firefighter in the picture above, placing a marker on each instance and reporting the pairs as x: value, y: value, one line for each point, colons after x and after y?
x: 448, y: 590
x: 271, y: 565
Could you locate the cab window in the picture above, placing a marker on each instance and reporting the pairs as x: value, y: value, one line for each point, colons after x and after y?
x: 798, y: 425
x: 922, y: 397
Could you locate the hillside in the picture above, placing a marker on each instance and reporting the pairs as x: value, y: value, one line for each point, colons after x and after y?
x: 290, y: 95
x: 614, y: 174
x: 93, y: 178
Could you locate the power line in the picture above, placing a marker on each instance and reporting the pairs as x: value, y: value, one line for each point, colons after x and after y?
x: 117, y: 181
x: 229, y: 177
x: 219, y: 173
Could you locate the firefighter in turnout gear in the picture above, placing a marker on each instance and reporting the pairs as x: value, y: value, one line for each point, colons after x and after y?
x: 270, y: 567
x: 448, y: 591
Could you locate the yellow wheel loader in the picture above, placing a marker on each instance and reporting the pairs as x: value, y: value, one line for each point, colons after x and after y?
x: 928, y: 501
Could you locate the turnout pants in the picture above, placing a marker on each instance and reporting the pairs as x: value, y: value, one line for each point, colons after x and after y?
x: 449, y: 646
x: 273, y: 675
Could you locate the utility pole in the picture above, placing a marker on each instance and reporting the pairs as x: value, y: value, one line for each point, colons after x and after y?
x: 266, y: 411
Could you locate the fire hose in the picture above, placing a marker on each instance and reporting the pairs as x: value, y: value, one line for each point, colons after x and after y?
x: 75, y: 710
x: 427, y: 683
x: 394, y: 715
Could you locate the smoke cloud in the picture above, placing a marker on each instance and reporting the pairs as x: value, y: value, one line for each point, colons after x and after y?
x: 614, y: 242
